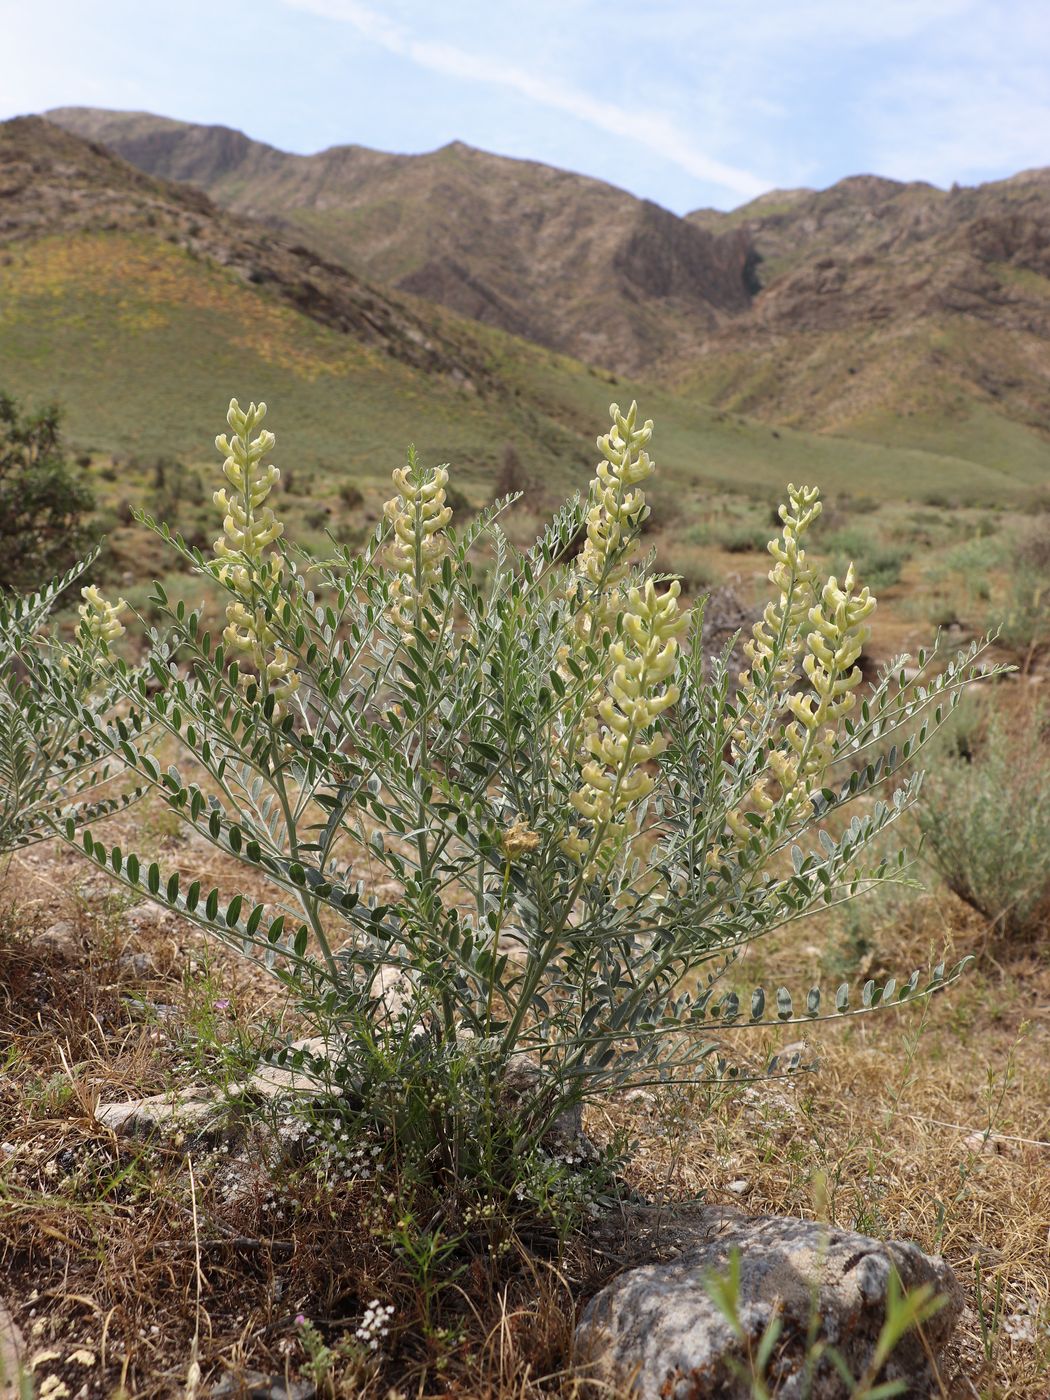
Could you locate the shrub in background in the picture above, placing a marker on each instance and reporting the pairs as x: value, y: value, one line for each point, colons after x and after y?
x: 513, y: 841
x: 879, y: 564
x: 741, y: 538
x: 1023, y: 622
x: 1011, y: 577
x: 985, y: 815
x: 42, y: 503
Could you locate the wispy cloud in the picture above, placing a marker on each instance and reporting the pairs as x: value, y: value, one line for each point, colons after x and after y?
x: 943, y: 130
x: 971, y: 102
x: 655, y: 131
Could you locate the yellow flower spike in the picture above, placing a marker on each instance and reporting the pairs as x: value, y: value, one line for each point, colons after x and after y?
x: 420, y: 516
x: 825, y: 655
x: 834, y: 645
x: 614, y: 780
x: 783, y: 619
x: 249, y: 528
x: 617, y: 508
x: 641, y: 629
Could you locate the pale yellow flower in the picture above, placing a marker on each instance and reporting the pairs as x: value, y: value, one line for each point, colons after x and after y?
x: 99, y: 618
x: 622, y: 738
x: 617, y: 509
x: 783, y: 652
x: 249, y: 529
x: 420, y: 516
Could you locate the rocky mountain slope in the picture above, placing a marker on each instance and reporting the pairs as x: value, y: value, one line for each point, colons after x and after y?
x: 52, y: 182
x: 886, y: 311
x: 560, y: 259
x: 141, y: 307
x: 885, y: 300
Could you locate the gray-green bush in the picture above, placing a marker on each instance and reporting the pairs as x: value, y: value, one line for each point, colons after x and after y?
x: 985, y: 814
x: 514, y: 838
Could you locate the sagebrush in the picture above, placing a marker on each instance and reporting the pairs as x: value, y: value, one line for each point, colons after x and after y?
x: 986, y: 818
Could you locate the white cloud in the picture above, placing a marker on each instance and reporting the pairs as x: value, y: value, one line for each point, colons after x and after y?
x: 972, y: 103
x: 633, y: 121
x: 933, y: 126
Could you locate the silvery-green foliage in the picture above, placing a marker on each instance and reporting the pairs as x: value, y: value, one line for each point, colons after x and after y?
x: 985, y: 815
x: 410, y: 802
x: 49, y: 762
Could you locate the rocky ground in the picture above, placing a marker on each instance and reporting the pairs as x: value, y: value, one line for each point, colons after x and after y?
x: 126, y: 1262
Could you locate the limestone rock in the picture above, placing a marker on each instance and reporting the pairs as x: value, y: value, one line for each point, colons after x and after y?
x: 196, y: 1111
x: 657, y: 1328
x: 271, y: 1081
x: 200, y: 1111
x: 257, y: 1386
x: 138, y: 966
x: 60, y: 940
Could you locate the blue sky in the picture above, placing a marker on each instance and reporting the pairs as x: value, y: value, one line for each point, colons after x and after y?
x: 707, y: 102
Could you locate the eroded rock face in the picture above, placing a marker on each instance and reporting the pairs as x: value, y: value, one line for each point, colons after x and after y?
x: 657, y: 1328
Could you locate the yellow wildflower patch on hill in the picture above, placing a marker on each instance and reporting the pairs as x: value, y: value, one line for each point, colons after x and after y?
x: 144, y: 283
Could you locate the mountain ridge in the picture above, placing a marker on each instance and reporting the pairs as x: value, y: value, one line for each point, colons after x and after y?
x: 37, y: 196
x: 141, y: 307
x: 878, y: 310
x: 591, y: 271
x: 892, y: 307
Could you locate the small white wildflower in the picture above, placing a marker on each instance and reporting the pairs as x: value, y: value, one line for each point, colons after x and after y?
x: 1019, y: 1327
x: 375, y: 1324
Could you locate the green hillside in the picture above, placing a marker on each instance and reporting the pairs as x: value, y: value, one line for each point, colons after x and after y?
x: 142, y: 309
x: 143, y: 344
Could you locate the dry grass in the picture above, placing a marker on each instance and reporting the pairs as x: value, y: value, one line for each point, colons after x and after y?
x: 99, y: 1252
x: 933, y: 1127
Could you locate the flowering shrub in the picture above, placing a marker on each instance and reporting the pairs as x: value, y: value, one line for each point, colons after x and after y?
x: 513, y: 839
